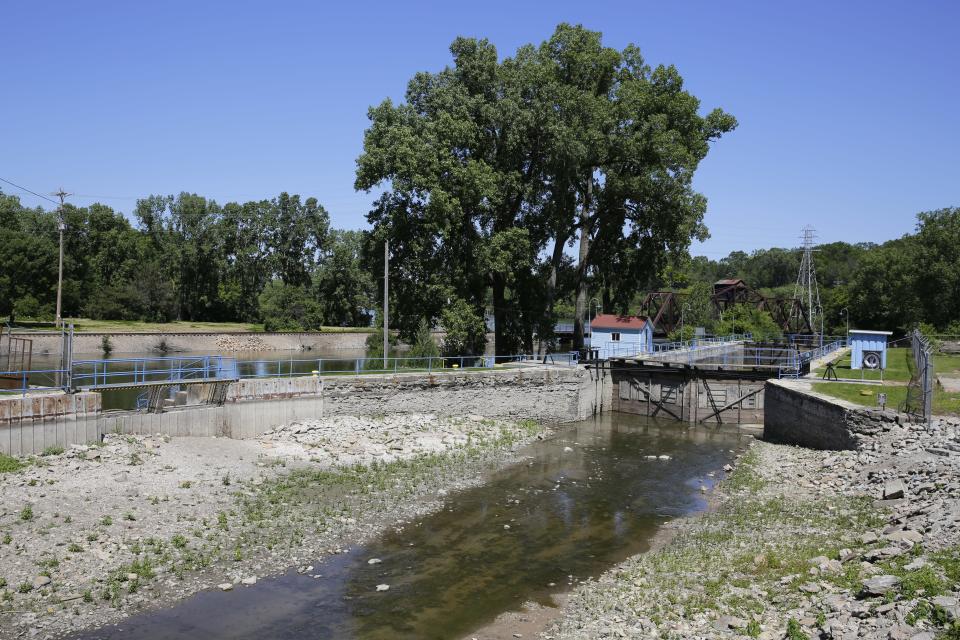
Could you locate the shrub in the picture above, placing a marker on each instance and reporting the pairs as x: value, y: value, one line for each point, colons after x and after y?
x: 9, y: 464
x: 466, y: 329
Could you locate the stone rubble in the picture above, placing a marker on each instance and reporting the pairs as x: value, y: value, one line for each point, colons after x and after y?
x: 896, y: 580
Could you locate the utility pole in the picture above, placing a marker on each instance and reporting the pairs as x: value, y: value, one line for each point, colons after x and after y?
x: 386, y: 302
x: 60, y: 194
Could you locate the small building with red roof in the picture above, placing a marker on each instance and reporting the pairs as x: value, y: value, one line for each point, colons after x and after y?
x: 616, y: 335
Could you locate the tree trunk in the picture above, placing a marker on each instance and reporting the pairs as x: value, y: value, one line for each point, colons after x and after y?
x: 559, y: 244
x: 499, y: 315
x: 579, y: 320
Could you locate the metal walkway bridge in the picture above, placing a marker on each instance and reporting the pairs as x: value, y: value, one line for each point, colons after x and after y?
x: 146, y: 373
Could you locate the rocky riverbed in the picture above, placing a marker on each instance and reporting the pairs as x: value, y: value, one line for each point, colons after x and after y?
x: 801, y: 544
x: 95, y: 533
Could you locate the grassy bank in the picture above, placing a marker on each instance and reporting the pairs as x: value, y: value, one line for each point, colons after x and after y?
x: 896, y: 376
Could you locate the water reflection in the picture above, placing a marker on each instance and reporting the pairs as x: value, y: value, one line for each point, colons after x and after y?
x: 569, y: 514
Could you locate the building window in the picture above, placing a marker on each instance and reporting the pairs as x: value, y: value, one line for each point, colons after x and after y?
x: 615, y: 337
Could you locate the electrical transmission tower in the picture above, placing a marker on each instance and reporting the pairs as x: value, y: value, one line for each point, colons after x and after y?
x: 807, y: 292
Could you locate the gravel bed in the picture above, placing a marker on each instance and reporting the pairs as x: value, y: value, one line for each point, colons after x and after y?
x: 93, y: 534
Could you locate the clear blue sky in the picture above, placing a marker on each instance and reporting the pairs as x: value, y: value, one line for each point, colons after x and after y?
x: 848, y: 110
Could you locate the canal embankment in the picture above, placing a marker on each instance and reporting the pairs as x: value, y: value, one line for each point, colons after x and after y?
x: 161, y: 342
x: 92, y: 534
x: 32, y: 423
x: 801, y: 543
x: 93, y: 343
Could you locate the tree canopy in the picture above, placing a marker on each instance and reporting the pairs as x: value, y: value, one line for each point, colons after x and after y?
x: 493, y: 167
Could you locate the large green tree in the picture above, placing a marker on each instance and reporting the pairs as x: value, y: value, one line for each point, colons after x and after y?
x: 490, y: 166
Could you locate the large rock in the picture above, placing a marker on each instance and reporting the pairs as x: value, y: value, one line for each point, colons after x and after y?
x: 879, y: 585
x: 893, y: 490
x: 41, y: 581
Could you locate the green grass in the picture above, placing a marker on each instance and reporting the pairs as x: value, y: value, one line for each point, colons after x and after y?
x: 9, y: 464
x: 899, y: 367
x: 900, y: 362
x: 943, y: 403
x: 947, y: 364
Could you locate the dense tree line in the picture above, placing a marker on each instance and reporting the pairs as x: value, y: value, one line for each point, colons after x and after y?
x: 186, y: 258
x: 893, y: 286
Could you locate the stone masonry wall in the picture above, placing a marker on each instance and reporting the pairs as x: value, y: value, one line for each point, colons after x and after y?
x: 559, y: 394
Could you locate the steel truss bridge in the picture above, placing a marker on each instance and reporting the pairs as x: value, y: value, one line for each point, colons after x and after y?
x: 665, y: 307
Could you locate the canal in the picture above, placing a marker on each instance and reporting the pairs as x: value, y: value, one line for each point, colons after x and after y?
x: 582, y: 501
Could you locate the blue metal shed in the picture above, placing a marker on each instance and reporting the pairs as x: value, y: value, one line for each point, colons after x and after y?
x: 868, y: 349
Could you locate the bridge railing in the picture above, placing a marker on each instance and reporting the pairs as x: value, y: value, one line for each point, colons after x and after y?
x: 292, y: 367
x: 135, y: 371
x: 698, y: 343
x: 800, y: 363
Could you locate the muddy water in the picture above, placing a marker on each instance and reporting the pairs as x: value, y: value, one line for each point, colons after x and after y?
x: 585, y: 500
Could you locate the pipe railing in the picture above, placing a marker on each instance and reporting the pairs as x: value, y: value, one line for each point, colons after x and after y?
x: 132, y: 372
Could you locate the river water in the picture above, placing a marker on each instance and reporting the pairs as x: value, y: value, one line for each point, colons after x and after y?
x: 248, y: 363
x: 583, y: 501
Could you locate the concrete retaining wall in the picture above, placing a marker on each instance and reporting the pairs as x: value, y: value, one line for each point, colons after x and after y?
x: 794, y: 414
x: 91, y: 344
x: 559, y: 394
x: 30, y: 424
x: 148, y: 343
x: 551, y: 394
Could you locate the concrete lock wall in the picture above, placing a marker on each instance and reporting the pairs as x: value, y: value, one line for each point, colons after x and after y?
x: 794, y: 414
x: 29, y: 424
x: 550, y: 394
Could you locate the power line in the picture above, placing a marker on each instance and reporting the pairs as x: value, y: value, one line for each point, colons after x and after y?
x: 29, y: 191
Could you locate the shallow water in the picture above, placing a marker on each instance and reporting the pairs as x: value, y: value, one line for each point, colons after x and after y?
x: 571, y: 515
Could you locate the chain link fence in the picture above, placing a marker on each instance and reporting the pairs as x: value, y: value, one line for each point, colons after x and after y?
x: 919, y: 402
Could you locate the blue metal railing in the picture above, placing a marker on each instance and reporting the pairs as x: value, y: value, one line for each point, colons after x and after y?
x: 134, y: 371
x: 798, y: 363
x: 358, y: 366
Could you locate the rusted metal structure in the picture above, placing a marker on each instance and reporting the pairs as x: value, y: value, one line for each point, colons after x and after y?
x: 664, y: 307
x: 16, y: 357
